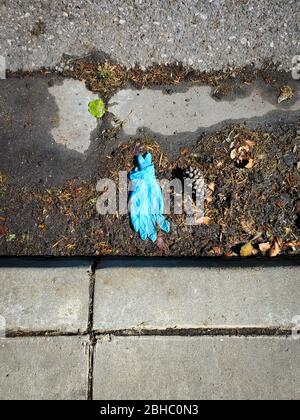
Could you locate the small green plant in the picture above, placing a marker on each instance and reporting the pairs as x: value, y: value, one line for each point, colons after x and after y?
x: 104, y: 74
x: 97, y: 108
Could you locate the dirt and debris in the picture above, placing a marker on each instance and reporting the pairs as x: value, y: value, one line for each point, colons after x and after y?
x: 106, y: 77
x: 3, y: 227
x: 249, y: 211
x: 286, y: 94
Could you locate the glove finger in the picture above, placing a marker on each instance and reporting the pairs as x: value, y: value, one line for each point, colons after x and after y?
x: 148, y: 159
x: 143, y: 228
x: 135, y: 221
x: 163, y: 223
x: 141, y: 161
x: 151, y: 229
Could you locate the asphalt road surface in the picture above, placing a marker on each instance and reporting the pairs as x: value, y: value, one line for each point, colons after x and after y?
x: 205, y: 34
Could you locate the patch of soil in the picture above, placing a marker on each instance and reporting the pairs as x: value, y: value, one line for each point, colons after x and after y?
x: 253, y: 200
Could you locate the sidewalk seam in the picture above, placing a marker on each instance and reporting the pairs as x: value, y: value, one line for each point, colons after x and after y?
x: 200, y: 332
x: 183, y: 332
x: 90, y: 331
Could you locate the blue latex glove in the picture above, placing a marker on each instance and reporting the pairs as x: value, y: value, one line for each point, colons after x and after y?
x: 146, y: 204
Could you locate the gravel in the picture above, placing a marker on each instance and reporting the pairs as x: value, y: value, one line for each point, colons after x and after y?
x: 205, y: 34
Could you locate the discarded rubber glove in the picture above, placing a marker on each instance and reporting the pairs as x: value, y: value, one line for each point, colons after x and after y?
x: 146, y: 204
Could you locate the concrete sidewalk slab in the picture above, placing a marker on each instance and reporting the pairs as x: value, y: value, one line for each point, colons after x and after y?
x: 46, y: 129
x: 45, y: 299
x: 195, y: 297
x: 194, y: 108
x: 75, y: 123
x: 197, y: 368
x: 42, y: 368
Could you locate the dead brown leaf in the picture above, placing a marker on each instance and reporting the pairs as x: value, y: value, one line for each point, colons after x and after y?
x: 279, y: 204
x: 276, y: 247
x: 211, y: 186
x: 248, y: 226
x: 279, y: 241
x: 209, y: 197
x: 264, y: 247
x: 216, y: 250
x: 293, y: 244
x: 250, y: 164
x: 184, y: 151
x: 162, y: 245
x: 250, y: 143
x: 219, y: 163
x: 286, y: 93
x: 203, y: 220
x: 229, y: 254
x: 243, y: 149
x: 275, y: 250
x: 3, y: 230
x: 233, y: 154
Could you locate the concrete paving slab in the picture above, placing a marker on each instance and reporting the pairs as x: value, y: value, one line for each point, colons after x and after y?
x: 45, y: 299
x: 197, y: 368
x: 192, y: 109
x: 195, y: 297
x: 45, y: 129
x: 41, y: 368
x: 75, y: 122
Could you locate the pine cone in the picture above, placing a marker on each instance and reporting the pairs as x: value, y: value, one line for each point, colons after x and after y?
x: 195, y: 175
